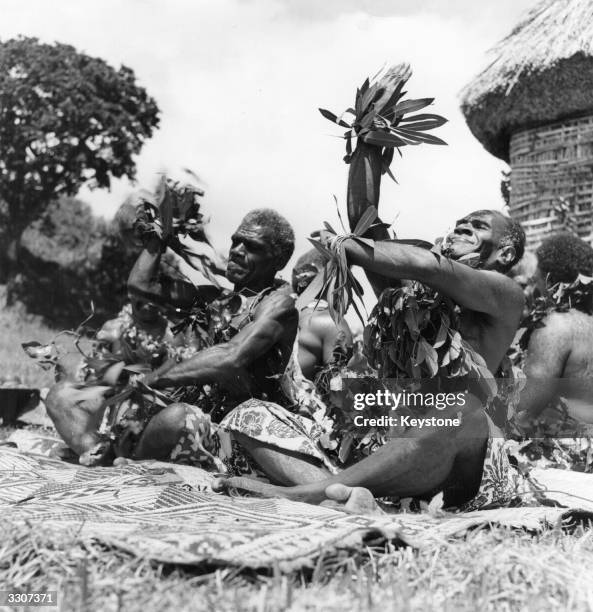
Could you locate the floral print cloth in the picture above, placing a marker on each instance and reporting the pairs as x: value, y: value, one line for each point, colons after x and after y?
x: 212, y: 446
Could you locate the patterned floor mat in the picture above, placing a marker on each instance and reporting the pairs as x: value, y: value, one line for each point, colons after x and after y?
x: 169, y: 513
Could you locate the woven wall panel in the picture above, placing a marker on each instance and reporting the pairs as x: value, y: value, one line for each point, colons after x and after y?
x: 552, y: 168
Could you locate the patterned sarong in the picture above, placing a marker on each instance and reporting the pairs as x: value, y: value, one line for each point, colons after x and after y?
x: 212, y: 445
x: 500, y: 482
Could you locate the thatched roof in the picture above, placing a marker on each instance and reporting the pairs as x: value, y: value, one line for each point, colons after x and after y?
x: 541, y: 72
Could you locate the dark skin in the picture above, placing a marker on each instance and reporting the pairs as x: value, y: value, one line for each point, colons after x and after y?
x: 422, y: 461
x: 252, y: 267
x: 318, y: 333
x: 318, y: 338
x: 559, y: 362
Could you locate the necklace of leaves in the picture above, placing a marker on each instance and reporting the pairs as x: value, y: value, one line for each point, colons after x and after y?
x: 560, y: 297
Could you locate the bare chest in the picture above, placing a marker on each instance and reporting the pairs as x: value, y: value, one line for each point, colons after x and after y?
x: 487, y: 340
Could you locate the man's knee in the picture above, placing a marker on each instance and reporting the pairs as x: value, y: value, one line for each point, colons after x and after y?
x: 162, y: 432
x: 172, y: 419
x: 442, y: 445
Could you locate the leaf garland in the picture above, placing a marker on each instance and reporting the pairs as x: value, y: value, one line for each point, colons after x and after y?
x: 560, y: 297
x: 413, y: 333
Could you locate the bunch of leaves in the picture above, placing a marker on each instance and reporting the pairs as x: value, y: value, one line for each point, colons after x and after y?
x: 174, y: 211
x: 52, y: 356
x: 381, y: 118
x: 413, y: 333
x: 336, y: 283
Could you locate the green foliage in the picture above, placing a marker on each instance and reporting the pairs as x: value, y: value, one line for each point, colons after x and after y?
x: 65, y: 119
x: 173, y: 211
x: 379, y: 116
x: 413, y: 333
x: 68, y: 259
x: 336, y: 281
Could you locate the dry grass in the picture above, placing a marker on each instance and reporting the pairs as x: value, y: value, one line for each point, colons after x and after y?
x: 487, y: 570
x: 495, y: 569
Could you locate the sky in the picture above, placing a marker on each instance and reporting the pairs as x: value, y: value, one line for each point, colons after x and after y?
x: 239, y: 83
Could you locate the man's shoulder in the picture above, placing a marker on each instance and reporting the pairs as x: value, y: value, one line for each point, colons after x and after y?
x: 511, y: 296
x: 322, y: 323
x: 571, y: 319
x: 277, y: 303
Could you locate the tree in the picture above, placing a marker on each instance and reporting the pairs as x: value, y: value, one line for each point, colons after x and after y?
x: 69, y: 258
x: 65, y: 119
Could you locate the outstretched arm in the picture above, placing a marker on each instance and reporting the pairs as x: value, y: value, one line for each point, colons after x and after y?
x: 479, y: 290
x: 228, y: 364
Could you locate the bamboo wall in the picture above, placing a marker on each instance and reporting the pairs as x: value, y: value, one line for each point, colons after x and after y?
x: 552, y: 179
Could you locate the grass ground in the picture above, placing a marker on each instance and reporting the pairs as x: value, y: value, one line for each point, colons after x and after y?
x: 488, y: 569
x: 17, y: 327
x: 494, y: 569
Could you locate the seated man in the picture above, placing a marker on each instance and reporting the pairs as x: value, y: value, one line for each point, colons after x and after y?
x: 248, y: 333
x: 319, y: 337
x: 467, y: 463
x: 558, y: 360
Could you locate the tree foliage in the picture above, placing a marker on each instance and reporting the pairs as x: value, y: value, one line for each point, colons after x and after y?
x: 65, y: 119
x: 68, y: 258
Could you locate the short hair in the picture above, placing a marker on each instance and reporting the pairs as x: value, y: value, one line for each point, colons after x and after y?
x: 311, y: 258
x: 563, y: 256
x: 282, y: 233
x: 513, y: 235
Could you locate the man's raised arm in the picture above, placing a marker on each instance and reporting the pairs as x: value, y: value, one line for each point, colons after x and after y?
x: 484, y: 291
x: 146, y: 283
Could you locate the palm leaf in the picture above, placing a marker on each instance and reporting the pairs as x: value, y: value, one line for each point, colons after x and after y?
x: 410, y: 106
x: 365, y: 221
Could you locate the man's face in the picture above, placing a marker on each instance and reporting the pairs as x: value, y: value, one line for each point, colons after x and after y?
x: 251, y: 258
x: 478, y: 233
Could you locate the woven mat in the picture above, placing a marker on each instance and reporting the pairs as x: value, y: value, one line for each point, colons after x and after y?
x: 169, y: 513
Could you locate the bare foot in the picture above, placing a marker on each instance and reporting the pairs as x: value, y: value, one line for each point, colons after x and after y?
x: 353, y: 500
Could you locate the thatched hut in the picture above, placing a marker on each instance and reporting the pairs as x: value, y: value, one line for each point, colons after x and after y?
x: 533, y: 107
